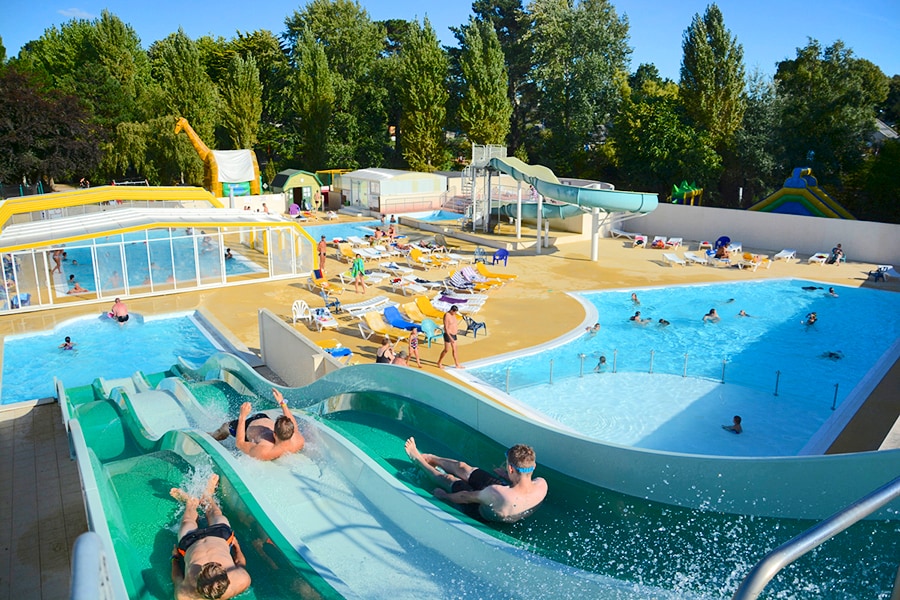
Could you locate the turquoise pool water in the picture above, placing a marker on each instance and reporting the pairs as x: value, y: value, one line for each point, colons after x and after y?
x: 641, y: 397
x: 343, y: 230
x: 102, y: 349
x: 435, y: 215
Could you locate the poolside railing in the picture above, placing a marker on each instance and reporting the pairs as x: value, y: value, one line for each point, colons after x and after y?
x: 558, y: 370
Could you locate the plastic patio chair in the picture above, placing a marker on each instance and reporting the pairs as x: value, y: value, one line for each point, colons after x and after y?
x: 431, y: 331
x: 473, y: 326
x: 501, y: 254
x: 300, y: 310
x: 330, y: 301
x: 480, y: 256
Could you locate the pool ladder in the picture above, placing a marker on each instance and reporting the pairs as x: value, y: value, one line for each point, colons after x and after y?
x: 776, y: 560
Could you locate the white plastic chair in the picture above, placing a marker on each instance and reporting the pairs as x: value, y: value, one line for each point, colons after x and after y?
x: 300, y: 310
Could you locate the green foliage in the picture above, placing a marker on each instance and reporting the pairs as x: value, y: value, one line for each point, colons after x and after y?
x: 882, y: 186
x: 44, y: 134
x: 485, y: 110
x: 352, y: 43
x: 241, y: 93
x: 2, y: 52
x: 423, y: 96
x: 578, y: 49
x: 712, y: 78
x: 756, y: 141
x: 313, y: 101
x: 655, y: 148
x: 889, y: 110
x: 511, y: 22
x: 828, y: 112
x: 187, y: 89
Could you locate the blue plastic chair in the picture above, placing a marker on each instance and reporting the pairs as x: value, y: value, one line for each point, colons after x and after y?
x: 472, y: 326
x: 330, y: 301
x: 501, y: 254
x: 431, y: 331
x: 479, y: 255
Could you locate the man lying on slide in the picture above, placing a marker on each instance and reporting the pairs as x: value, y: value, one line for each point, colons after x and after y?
x: 506, y: 496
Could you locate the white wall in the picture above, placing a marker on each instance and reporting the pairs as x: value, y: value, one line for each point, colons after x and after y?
x: 292, y: 356
x: 863, y: 241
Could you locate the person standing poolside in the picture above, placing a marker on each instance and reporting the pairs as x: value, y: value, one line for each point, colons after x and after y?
x: 57, y: 262
x: 508, y: 495
x: 322, y: 247
x: 358, y: 271
x: 119, y: 311
x: 261, y: 437
x: 207, y: 562
x: 712, y: 316
x: 414, y: 345
x: 451, y: 332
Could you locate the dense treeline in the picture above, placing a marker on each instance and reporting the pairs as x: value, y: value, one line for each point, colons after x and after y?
x: 549, y: 79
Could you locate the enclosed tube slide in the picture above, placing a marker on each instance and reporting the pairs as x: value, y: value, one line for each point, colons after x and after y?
x: 548, y: 185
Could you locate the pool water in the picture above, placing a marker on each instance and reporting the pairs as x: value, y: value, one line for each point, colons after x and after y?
x: 343, y: 230
x: 436, y: 215
x: 642, y: 399
x: 79, y: 261
x: 103, y: 348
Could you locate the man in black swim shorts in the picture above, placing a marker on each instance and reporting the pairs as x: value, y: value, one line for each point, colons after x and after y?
x: 451, y: 330
x: 262, y: 437
x: 207, y: 560
x: 507, y: 495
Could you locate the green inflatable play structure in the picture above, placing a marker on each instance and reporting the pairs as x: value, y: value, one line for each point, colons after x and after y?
x: 801, y: 195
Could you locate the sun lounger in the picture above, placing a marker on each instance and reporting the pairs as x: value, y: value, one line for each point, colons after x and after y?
x: 819, y: 258
x: 621, y: 233
x: 884, y: 272
x: 372, y: 322
x: 786, y: 254
x: 753, y: 261
x: 358, y: 309
x: 393, y: 318
x: 401, y: 285
x: 323, y: 318
x: 659, y: 242
x: 673, y: 259
x: 640, y: 241
x: 357, y: 241
x: 735, y: 247
x: 695, y: 258
x: 674, y: 242
x: 394, y: 269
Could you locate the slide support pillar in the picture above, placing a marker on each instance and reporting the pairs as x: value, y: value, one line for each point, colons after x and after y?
x: 595, y: 234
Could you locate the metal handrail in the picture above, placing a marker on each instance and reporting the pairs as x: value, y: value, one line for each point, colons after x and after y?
x: 776, y: 560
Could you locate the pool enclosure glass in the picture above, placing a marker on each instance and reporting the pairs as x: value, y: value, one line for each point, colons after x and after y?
x: 151, y: 260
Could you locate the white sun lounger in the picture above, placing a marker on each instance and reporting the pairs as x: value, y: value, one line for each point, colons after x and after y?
x: 694, y: 258
x: 673, y: 259
x: 674, y: 242
x: 818, y: 258
x: 358, y: 309
x: 786, y: 254
x: 621, y: 233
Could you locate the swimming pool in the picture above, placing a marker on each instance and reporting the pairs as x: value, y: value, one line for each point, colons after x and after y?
x: 435, y: 215
x: 343, y: 230
x: 102, y: 349
x: 661, y: 387
x: 150, y: 257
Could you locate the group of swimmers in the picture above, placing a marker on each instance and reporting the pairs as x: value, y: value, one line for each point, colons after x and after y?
x: 207, y: 560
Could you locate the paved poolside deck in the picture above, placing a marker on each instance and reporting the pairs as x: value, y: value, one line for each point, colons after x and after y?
x: 42, y: 507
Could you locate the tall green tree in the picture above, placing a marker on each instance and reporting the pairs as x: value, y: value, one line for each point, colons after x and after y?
x: 511, y: 22
x: 424, y: 95
x: 313, y: 97
x: 100, y: 61
x: 655, y: 147
x: 580, y: 46
x: 352, y: 43
x: 756, y: 141
x: 485, y: 110
x: 2, y: 52
x: 186, y: 91
x: 712, y: 78
x: 241, y: 93
x: 829, y: 99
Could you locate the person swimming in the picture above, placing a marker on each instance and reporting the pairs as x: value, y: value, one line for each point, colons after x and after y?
x: 831, y: 355
x: 743, y: 313
x: 663, y: 323
x: 810, y: 288
x: 832, y: 293
x: 811, y: 319
x: 68, y: 344
x: 592, y: 331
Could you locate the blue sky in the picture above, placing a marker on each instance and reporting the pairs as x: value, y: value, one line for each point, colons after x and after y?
x: 769, y: 30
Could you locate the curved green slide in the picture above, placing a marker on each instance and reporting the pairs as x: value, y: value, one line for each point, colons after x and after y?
x: 548, y: 185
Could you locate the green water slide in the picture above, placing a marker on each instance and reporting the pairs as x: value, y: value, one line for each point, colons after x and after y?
x: 586, y: 540
x: 548, y: 185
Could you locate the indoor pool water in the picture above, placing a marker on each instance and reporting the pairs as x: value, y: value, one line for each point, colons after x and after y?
x: 79, y: 261
x: 640, y: 397
x: 103, y: 348
x: 343, y: 230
